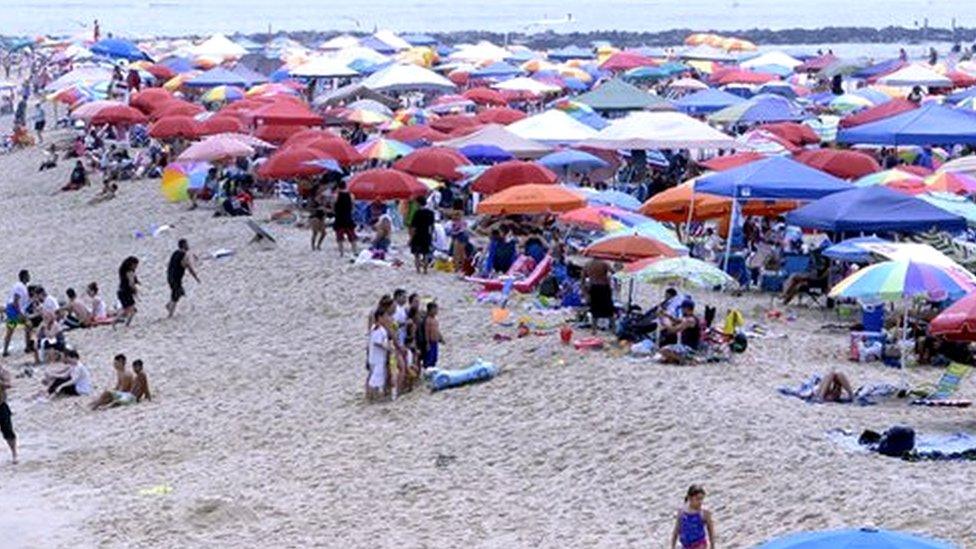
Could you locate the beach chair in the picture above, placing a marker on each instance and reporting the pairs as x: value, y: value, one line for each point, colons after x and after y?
x: 522, y: 267
x: 948, y: 384
x: 795, y: 264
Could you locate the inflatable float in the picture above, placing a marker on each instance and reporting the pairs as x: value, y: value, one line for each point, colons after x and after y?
x: 481, y: 370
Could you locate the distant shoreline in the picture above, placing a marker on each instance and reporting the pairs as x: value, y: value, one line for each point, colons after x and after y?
x: 668, y: 38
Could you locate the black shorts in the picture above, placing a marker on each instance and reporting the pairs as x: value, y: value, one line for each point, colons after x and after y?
x: 176, y: 291
x: 68, y: 390
x: 39, y: 125
x: 601, y: 301
x: 127, y: 299
x: 6, y: 426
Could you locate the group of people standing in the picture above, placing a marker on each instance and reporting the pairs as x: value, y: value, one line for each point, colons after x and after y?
x: 404, y: 338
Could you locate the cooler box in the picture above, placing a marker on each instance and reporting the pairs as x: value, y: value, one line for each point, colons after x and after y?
x: 872, y: 318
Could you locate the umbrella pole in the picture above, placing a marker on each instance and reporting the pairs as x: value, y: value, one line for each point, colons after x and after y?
x: 733, y: 219
x: 691, y: 212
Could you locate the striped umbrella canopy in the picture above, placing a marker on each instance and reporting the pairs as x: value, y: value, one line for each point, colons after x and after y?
x: 903, y: 279
x: 683, y: 270
x: 179, y: 177
x: 951, y: 182
x: 887, y: 177
x: 223, y: 94
x: 604, y: 218
x: 384, y: 149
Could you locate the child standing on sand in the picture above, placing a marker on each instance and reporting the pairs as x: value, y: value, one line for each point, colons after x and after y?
x: 693, y: 525
x: 433, y: 339
x: 379, y: 350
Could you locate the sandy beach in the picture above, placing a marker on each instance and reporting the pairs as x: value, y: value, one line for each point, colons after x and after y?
x: 259, y: 427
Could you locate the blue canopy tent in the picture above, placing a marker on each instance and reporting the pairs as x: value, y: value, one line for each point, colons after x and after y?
x: 420, y: 39
x: 220, y: 76
x: 499, y: 69
x: 851, y: 250
x: 376, y: 45
x: 118, y: 49
x: 707, y: 101
x: 776, y: 177
x: 859, y: 538
x: 571, y: 52
x: 930, y: 124
x: 873, y: 209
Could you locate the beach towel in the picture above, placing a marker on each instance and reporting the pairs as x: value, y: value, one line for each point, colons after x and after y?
x: 863, y: 396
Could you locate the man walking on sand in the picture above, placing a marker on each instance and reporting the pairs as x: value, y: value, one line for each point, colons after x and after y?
x: 16, y: 312
x: 179, y: 264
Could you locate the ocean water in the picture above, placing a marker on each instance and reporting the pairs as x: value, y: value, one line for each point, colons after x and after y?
x: 137, y: 18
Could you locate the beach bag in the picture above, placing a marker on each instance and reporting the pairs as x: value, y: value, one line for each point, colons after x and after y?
x: 897, y: 441
x: 549, y: 287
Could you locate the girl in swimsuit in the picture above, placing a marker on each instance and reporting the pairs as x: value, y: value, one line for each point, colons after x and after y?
x: 693, y: 524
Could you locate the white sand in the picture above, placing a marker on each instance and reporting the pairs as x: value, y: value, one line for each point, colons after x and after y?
x: 260, y: 428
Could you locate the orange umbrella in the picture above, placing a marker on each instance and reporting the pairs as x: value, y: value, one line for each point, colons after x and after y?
x: 531, y: 199
x: 673, y: 205
x: 629, y: 247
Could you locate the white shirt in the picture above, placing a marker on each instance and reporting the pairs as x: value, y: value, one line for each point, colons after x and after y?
x: 19, y: 290
x: 98, y: 308
x: 81, y: 378
x: 50, y: 305
x: 377, y: 357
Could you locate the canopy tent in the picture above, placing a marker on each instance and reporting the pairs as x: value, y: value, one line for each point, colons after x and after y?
x: 776, y: 58
x: 775, y: 177
x: 759, y: 109
x: 527, y: 85
x: 323, y: 67
x: 617, y: 95
x: 659, y: 130
x: 220, y: 76
x: 882, y: 111
x: 349, y: 93
x: 873, y: 209
x: 218, y: 47
x: 402, y: 77
x: 916, y: 75
x: 552, y: 126
x: 499, y: 136
x: 930, y: 124
x: 707, y: 101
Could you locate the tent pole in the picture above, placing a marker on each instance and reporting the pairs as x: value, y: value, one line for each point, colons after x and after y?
x: 728, y: 241
x: 691, y: 212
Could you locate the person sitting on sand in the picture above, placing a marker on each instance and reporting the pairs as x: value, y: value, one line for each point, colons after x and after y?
x: 77, y: 315
x: 832, y: 388
x: 383, y: 229
x: 681, y: 336
x: 78, y: 178
x: 140, y: 388
x: 97, y: 306
x: 50, y: 159
x: 6, y: 425
x: 122, y: 393
x: 693, y: 525
x: 75, y: 380
x: 378, y: 354
x: 108, y: 192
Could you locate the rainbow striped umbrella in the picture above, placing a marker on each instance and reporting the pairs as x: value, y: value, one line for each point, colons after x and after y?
x: 903, y: 279
x: 178, y: 177
x: 411, y: 116
x: 384, y: 149
x: 887, y: 177
x: 271, y: 88
x: 683, y: 270
x: 223, y: 94
x: 951, y: 182
x: 363, y: 116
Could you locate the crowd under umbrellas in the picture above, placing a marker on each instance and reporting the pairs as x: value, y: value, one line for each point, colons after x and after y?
x: 702, y: 167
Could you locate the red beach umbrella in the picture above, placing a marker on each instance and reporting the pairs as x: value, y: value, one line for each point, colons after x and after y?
x: 119, y: 114
x: 171, y: 127
x: 840, y: 163
x: 795, y: 133
x: 727, y: 162
x: 509, y: 174
x: 958, y: 322
x: 434, y: 162
x: 452, y: 122
x: 337, y: 148
x: 500, y: 115
x: 386, y: 184
x: 417, y: 133
x: 220, y: 124
x: 485, y: 96
x: 292, y: 162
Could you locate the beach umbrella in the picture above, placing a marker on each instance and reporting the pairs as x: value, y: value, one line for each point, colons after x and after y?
x: 848, y: 103
x: 853, y: 250
x: 217, y: 148
x: 531, y: 199
x: 383, y: 149
x: 87, y: 111
x: 452, y: 122
x: 485, y: 154
x: 766, y: 143
x: 419, y: 133
x: 176, y: 107
x: 386, y: 184
x: 903, y: 279
x: 844, y: 164
x: 178, y: 177
x: 611, y: 197
x: 682, y: 270
x: 512, y: 173
x: 172, y: 127
x: 119, y: 114
x: 223, y: 94
x: 957, y: 322
x: 628, y: 247
x: 500, y: 115
x: 118, y: 48
x: 889, y: 177
x: 219, y: 124
x: 862, y: 538
x: 336, y: 148
x: 570, y: 159
x: 291, y: 162
x: 759, y: 109
x: 276, y: 133
x: 951, y: 182
x: 150, y: 99
x: 363, y: 117
x: 795, y: 133
x: 727, y: 162
x: 485, y: 96
x: 603, y: 218
x: 434, y: 162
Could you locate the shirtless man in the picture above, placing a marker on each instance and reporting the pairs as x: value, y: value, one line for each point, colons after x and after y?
x: 78, y: 315
x: 140, y: 388
x: 596, y: 280
x: 123, y: 384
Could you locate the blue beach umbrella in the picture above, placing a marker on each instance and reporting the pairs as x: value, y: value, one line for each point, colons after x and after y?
x: 862, y: 538
x: 570, y: 159
x: 119, y: 49
x: 485, y: 154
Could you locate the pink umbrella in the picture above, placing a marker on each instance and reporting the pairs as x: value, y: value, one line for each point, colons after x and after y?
x: 215, y: 148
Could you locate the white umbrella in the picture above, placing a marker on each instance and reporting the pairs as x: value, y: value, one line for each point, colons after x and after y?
x: 659, y: 130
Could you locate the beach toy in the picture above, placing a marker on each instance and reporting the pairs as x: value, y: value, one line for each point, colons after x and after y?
x: 499, y: 315
x: 588, y: 343
x: 566, y: 334
x: 158, y: 490
x: 480, y: 370
x: 221, y: 253
x: 156, y: 231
